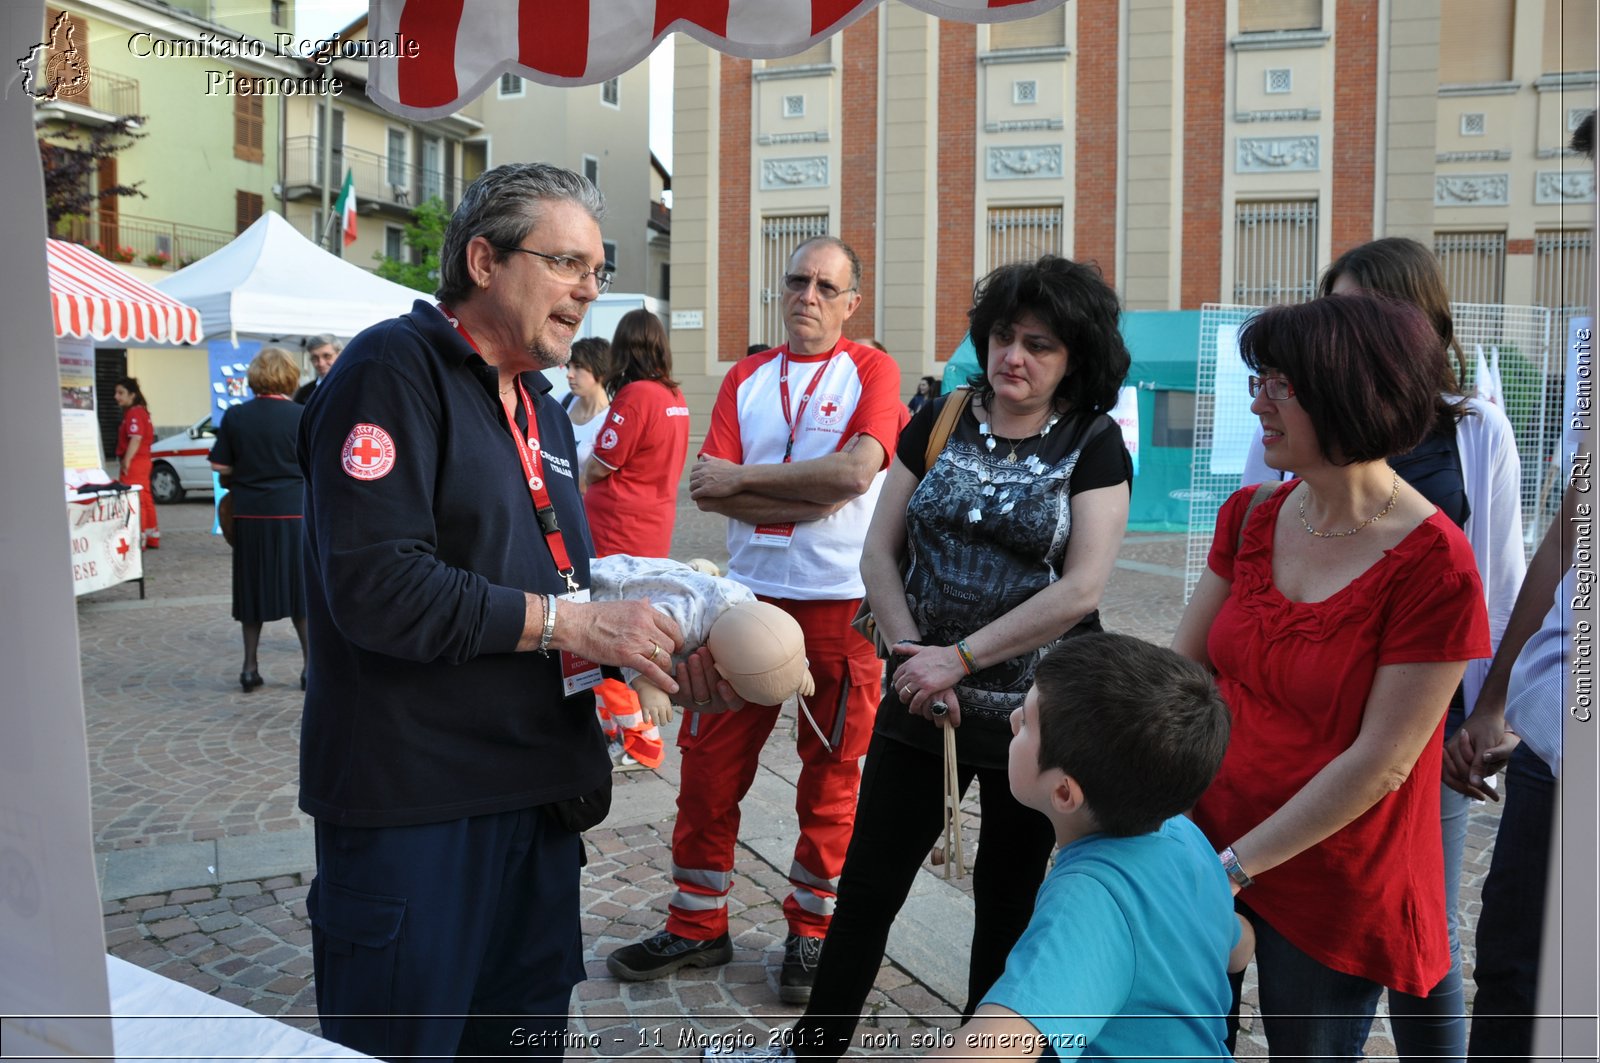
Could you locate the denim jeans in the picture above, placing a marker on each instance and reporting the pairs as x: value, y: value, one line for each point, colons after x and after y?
x: 1434, y: 1027
x: 1308, y: 1011
x: 1512, y: 921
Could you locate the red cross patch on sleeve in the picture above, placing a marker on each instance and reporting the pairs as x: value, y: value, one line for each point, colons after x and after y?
x: 368, y: 453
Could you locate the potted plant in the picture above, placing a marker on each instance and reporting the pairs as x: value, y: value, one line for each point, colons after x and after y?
x: 158, y: 260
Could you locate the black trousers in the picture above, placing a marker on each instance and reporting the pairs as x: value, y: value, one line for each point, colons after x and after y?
x: 447, y: 939
x: 898, y: 818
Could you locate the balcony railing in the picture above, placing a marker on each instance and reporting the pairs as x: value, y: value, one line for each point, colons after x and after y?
x: 106, y: 93
x: 660, y: 217
x: 126, y: 238
x: 378, y: 179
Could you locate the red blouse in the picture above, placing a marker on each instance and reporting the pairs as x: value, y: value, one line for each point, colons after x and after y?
x: 1368, y: 900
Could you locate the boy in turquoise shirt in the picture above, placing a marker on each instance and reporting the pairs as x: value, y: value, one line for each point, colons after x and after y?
x: 1127, y: 953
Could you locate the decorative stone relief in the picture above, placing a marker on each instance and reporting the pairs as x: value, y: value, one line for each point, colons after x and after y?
x: 1499, y: 155
x: 1018, y: 164
x: 1276, y: 154
x: 1282, y: 114
x: 1573, y: 186
x: 1024, y: 125
x: 808, y: 172
x: 1471, y: 190
x: 815, y: 136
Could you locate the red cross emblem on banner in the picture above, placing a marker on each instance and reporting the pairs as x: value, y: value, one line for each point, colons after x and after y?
x: 368, y: 453
x: 123, y: 546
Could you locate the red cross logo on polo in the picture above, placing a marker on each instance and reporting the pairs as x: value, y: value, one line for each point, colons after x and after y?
x: 608, y: 439
x: 830, y: 410
x: 368, y: 453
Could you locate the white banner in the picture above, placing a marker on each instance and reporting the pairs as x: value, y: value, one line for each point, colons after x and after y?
x: 105, y: 541
x: 1126, y: 414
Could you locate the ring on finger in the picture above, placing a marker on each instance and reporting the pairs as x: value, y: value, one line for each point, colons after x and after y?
x: 697, y: 701
x: 906, y: 691
x: 654, y: 649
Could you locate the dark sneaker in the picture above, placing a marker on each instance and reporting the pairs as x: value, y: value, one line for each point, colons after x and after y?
x: 800, y: 956
x: 659, y: 956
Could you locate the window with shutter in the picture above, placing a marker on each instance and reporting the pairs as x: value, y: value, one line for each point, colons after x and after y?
x: 247, y: 208
x: 1268, y: 16
x: 1475, y: 41
x: 249, y: 128
x: 1048, y: 30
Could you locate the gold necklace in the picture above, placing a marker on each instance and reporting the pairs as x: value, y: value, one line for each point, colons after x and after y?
x: 1394, y: 496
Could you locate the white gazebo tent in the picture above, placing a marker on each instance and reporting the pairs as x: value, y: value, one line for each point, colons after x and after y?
x: 271, y: 282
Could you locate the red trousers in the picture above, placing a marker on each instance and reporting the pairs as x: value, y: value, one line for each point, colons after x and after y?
x: 720, y: 755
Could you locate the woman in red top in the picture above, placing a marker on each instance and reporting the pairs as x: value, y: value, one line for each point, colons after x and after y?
x: 1339, y: 616
x: 133, y: 452
x: 631, y: 481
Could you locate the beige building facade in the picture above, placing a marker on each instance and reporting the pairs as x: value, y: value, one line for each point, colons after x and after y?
x: 1216, y: 151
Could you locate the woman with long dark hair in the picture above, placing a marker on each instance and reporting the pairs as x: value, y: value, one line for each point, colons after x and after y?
x: 631, y: 479
x: 134, y: 437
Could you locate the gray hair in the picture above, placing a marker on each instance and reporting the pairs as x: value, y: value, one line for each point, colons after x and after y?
x: 834, y: 241
x: 502, y: 206
x: 324, y: 340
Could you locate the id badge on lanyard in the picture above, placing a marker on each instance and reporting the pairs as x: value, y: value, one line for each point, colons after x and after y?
x: 577, y: 673
x: 781, y: 533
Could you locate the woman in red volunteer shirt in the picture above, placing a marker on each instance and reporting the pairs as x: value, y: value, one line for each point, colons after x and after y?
x: 631, y: 480
x: 134, y: 437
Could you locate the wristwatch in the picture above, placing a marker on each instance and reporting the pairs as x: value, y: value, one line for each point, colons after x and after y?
x: 1230, y: 864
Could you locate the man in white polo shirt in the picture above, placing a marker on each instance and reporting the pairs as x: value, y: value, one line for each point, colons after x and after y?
x: 799, y: 441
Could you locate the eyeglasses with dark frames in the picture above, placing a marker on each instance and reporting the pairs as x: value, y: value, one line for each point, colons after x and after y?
x: 799, y: 282
x: 1277, y: 388
x: 572, y: 270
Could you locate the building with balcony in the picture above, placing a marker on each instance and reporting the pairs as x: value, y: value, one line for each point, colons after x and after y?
x: 396, y: 164
x: 1205, y: 151
x: 603, y: 132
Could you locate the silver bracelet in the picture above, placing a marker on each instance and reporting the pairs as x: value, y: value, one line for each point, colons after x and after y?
x: 1230, y: 864
x: 549, y: 624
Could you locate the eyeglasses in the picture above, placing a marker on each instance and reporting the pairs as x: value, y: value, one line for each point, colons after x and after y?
x: 572, y: 270
x: 799, y: 282
x: 1277, y: 388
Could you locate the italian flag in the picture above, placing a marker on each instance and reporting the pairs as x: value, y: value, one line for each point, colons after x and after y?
x: 345, y: 208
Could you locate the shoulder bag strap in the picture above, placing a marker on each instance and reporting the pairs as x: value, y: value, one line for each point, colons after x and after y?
x: 949, y: 414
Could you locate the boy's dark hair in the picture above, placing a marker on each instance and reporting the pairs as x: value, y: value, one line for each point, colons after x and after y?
x: 1141, y: 728
x: 1352, y: 361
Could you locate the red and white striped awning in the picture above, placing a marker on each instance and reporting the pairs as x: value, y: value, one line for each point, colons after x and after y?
x: 93, y: 299
x: 460, y: 49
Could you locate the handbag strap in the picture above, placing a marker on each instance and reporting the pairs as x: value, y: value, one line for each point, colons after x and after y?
x: 1264, y: 491
x: 949, y: 414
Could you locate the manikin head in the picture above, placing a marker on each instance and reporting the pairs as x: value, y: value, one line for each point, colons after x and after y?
x: 761, y: 652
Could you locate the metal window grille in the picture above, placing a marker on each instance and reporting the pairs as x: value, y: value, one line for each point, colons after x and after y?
x: 1526, y: 344
x: 510, y: 85
x: 611, y: 92
x: 1473, y: 264
x: 1023, y: 234
x: 1024, y: 92
x: 1473, y: 124
x: 794, y: 106
x: 1279, y: 81
x: 1563, y: 261
x: 1275, y: 252
x: 779, y: 237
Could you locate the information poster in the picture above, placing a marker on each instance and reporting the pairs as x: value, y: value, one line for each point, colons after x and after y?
x: 80, y: 430
x: 1126, y: 414
x: 1234, y: 423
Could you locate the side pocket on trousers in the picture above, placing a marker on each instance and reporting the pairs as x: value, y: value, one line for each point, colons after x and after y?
x: 360, y: 935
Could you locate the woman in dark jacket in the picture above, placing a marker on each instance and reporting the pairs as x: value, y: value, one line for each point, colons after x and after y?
x: 256, y: 454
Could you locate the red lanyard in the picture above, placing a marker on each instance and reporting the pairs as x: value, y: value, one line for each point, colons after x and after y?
x: 783, y: 397
x: 532, y: 456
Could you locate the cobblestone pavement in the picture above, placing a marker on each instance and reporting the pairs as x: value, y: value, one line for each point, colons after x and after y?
x: 184, y: 765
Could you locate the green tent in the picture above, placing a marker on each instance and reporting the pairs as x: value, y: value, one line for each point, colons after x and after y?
x: 1165, y: 345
